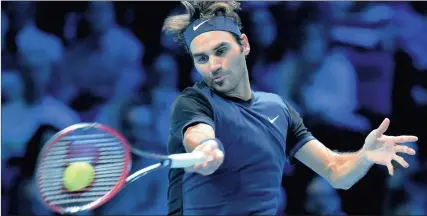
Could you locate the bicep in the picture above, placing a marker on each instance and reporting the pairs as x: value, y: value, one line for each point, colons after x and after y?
x: 307, y: 149
x: 298, y: 134
x: 317, y: 157
x: 192, y: 118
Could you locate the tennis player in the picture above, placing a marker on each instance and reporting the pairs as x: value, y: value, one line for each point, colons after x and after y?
x: 248, y: 135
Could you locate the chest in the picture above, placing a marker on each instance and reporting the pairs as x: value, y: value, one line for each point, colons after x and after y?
x: 254, y: 134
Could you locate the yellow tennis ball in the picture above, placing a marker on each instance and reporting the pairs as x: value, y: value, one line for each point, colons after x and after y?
x: 78, y: 175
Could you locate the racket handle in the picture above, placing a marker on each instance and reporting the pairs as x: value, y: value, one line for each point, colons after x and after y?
x: 186, y: 159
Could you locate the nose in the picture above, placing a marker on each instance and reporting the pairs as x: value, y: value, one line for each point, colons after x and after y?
x: 214, y: 64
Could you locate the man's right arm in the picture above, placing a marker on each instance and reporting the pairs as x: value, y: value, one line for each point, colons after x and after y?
x: 192, y: 118
x: 193, y: 135
x: 193, y: 123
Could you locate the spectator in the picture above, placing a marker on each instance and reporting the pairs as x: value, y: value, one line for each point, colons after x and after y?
x: 411, y: 27
x: 164, y: 93
x: 321, y: 82
x: 265, y: 69
x: 27, y: 87
x: 30, y: 101
x: 72, y: 20
x: 39, y: 116
x: 371, y: 52
x: 14, y: 135
x: 103, y: 67
x: 137, y: 124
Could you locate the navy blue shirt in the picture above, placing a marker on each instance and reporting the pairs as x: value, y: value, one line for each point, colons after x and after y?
x: 259, y: 137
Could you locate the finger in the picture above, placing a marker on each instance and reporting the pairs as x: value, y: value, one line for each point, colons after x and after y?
x: 206, y: 146
x: 390, y: 169
x: 197, y: 166
x: 404, y: 139
x: 210, y: 155
x: 404, y: 149
x: 383, y: 127
x: 210, y: 145
x: 205, y: 164
x: 219, y: 154
x: 219, y: 159
x: 401, y: 161
x: 209, y: 158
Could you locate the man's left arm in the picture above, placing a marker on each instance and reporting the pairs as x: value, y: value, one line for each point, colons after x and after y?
x: 343, y: 170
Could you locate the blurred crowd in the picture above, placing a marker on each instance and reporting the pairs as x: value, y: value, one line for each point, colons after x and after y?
x: 343, y: 66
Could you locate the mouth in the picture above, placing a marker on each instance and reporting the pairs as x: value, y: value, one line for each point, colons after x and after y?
x: 219, y: 78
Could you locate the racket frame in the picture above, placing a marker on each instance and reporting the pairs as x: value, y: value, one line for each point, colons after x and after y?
x: 116, y: 188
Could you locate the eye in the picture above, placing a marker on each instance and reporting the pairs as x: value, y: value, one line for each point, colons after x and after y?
x: 221, y: 51
x: 202, y: 59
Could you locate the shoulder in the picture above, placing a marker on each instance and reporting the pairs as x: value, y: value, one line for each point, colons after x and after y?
x: 125, y: 43
x: 31, y: 38
x: 51, y: 109
x: 266, y: 97
x: 273, y: 100
x: 192, y: 98
x: 196, y: 92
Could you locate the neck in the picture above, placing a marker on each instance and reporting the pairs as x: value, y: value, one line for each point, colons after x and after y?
x: 243, y: 89
x: 246, y: 91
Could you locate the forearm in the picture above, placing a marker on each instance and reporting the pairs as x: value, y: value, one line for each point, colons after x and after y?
x: 195, y: 134
x: 348, y: 169
x: 343, y: 157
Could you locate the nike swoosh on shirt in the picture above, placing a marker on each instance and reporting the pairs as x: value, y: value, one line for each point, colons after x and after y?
x: 197, y: 26
x: 273, y: 120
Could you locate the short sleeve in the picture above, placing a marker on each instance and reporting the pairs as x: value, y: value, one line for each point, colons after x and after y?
x: 191, y: 107
x: 298, y: 134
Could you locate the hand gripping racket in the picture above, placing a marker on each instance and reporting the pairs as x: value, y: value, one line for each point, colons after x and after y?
x: 110, y: 156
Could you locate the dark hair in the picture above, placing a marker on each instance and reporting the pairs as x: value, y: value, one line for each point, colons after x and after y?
x: 177, y: 24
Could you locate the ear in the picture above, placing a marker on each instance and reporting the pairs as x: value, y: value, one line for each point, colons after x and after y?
x: 245, y: 44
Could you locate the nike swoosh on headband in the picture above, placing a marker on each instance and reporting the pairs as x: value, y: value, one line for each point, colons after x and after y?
x: 197, y: 26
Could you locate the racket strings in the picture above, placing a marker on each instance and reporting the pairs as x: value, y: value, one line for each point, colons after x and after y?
x: 101, y: 149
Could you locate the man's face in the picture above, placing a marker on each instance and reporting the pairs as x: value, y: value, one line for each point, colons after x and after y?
x: 220, y: 59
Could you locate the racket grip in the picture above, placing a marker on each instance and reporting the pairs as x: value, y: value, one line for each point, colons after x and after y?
x: 186, y: 159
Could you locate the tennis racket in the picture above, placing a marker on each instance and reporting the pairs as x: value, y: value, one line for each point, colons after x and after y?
x: 109, y: 154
